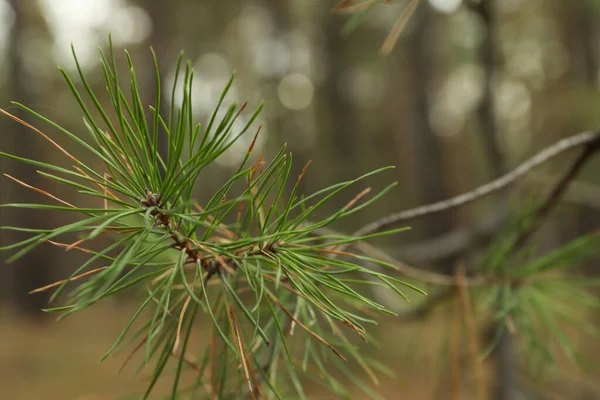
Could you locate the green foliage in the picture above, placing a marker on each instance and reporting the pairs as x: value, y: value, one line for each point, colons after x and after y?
x: 243, y: 271
x: 539, y: 298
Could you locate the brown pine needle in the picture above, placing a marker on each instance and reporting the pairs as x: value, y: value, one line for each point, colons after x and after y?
x: 293, y: 322
x: 187, y: 357
x: 180, y: 324
x: 198, y: 285
x: 510, y: 325
x: 39, y: 191
x: 126, y: 163
x: 368, y: 370
x: 75, y: 244
x: 347, y: 7
x: 261, y: 211
x: 217, y: 257
x: 103, y: 187
x: 303, y: 172
x: 320, y: 305
x: 109, y: 137
x: 163, y: 306
x: 238, y: 339
x: 130, y: 356
x: 227, y: 232
x: 254, y: 139
x: 291, y: 289
x: 55, y: 284
x: 259, y: 391
x: 71, y: 246
x: 352, y: 202
x: 106, y: 177
x: 192, y: 361
x: 240, y: 211
x: 337, y: 252
x: 257, y: 167
x: 341, y: 5
x: 359, y: 332
x: 161, y: 277
x: 52, y: 142
x: 306, y: 328
x: 398, y: 27
x: 242, y: 108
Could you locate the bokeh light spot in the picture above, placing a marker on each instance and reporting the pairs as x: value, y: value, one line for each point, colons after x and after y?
x: 295, y: 91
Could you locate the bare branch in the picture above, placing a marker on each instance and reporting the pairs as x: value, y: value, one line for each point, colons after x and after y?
x: 459, y: 240
x: 557, y: 191
x: 588, y: 139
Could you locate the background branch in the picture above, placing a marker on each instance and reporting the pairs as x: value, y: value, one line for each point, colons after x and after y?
x: 540, y: 158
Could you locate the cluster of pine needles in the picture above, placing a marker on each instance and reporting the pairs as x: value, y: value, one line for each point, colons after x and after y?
x: 248, y: 267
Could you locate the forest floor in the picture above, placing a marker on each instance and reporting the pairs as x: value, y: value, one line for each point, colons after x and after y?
x: 52, y: 360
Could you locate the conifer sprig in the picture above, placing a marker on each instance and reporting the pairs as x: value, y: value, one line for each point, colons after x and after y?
x: 249, y: 263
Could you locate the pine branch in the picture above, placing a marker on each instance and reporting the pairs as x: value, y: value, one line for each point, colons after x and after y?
x: 272, y: 270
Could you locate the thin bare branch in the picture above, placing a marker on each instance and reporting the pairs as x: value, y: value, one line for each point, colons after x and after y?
x: 558, y: 191
x: 582, y: 139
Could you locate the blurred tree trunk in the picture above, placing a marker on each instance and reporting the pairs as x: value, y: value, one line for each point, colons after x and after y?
x: 338, y: 116
x: 427, y: 155
x: 580, y: 34
x: 486, y: 115
x: 506, y: 384
x: 36, y: 268
x: 283, y: 123
x: 161, y: 15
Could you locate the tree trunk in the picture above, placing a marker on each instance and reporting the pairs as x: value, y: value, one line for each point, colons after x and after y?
x: 36, y: 268
x: 427, y: 155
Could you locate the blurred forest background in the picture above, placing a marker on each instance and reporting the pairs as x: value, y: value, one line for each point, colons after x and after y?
x: 471, y: 89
